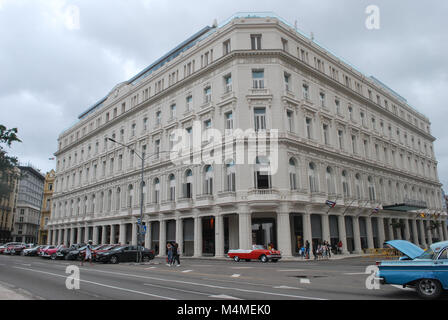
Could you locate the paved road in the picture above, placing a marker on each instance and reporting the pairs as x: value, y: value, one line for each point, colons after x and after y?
x: 198, y: 279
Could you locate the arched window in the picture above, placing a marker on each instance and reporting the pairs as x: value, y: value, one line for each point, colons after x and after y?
x: 230, y: 176
x: 208, y: 180
x: 372, y: 195
x: 330, y: 181
x: 130, y: 195
x: 312, y: 175
x: 292, y: 174
x: 172, y: 187
x: 188, y: 184
x: 262, y: 173
x: 156, y: 198
x: 345, y: 185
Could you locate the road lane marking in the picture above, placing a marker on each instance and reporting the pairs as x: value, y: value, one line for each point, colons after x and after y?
x: 186, y: 271
x: 307, y: 281
x: 99, y: 284
x: 225, y: 297
x: 202, y: 265
x: 236, y: 275
x: 176, y: 289
x: 286, y: 287
x: 241, y: 267
x: 208, y: 285
x: 290, y: 270
x: 150, y: 268
x: 355, y: 273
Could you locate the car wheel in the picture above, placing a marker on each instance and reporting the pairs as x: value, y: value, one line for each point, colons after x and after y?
x: 264, y: 259
x: 236, y: 259
x: 13, y: 252
x: 429, y: 288
x: 53, y: 256
x: 114, y: 259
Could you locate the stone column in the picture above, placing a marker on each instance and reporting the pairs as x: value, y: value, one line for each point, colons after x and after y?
x: 342, y: 233
x: 104, y: 235
x: 245, y: 225
x: 112, y: 234
x: 407, y: 233
x: 134, y: 233
x: 391, y: 230
x: 49, y: 237
x: 440, y: 231
x: 122, y: 235
x: 219, y: 236
x: 284, y: 231
x: 53, y: 237
x: 307, y: 233
x: 370, y: 243
x: 445, y: 231
x: 95, y: 235
x: 357, y: 235
x: 78, y: 235
x: 66, y: 239
x: 423, y: 234
x: 148, y: 243
x: 197, y: 236
x: 180, y: 234
x: 399, y: 237
x: 162, y: 238
x: 325, y: 227
x: 86, y: 234
x: 428, y: 224
x: 414, y: 232
x: 60, y: 236
x: 381, y: 235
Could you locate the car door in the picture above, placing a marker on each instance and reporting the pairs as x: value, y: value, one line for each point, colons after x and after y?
x: 441, y: 267
x: 132, y: 254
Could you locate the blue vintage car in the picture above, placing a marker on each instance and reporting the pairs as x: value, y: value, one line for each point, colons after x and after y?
x: 427, y: 271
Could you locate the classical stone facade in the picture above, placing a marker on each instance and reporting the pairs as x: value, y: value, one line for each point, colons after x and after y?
x: 46, y: 207
x: 341, y: 136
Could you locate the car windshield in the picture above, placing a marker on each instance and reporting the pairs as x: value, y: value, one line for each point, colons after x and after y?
x: 258, y: 247
x: 117, y: 248
x: 428, y: 255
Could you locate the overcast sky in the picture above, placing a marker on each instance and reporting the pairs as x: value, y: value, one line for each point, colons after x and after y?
x: 52, y: 68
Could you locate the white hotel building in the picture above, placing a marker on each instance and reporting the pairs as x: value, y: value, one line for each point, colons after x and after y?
x: 342, y: 136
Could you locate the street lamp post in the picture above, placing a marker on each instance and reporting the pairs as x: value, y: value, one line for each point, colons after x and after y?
x: 140, y: 225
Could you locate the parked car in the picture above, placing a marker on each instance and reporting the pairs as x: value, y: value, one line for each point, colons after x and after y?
x: 258, y: 252
x: 8, y: 246
x: 426, y: 271
x: 124, y: 254
x: 62, y: 253
x: 51, y: 252
x: 42, y: 252
x: 75, y: 254
x: 102, y: 248
x: 34, y: 251
x: 16, y: 249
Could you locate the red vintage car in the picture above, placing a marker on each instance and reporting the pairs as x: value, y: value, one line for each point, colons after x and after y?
x: 258, y: 252
x: 48, y: 251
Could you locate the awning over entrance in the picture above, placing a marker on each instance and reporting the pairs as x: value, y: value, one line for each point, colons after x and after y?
x: 408, y: 205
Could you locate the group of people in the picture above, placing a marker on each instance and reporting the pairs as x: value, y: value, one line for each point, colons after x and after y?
x: 320, y: 251
x: 172, y: 250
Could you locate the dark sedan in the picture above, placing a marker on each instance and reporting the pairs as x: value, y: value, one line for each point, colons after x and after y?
x: 124, y: 254
x: 33, y: 252
x: 75, y: 254
x: 63, y: 252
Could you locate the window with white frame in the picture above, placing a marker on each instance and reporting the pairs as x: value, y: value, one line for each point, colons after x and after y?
x: 306, y: 91
x: 260, y: 119
x: 287, y: 77
x: 226, y: 48
x: 292, y: 174
x: 230, y: 176
x: 172, y: 111
x: 258, y: 79
x: 312, y: 177
x: 229, y: 120
x: 290, y: 119
x: 227, y: 83
x: 208, y: 94
x: 255, y: 40
x: 208, y: 180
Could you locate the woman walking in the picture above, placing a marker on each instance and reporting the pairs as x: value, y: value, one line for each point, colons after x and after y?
x: 176, y: 255
x: 169, y: 249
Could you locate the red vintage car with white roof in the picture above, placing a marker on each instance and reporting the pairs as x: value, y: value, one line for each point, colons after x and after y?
x: 258, y: 252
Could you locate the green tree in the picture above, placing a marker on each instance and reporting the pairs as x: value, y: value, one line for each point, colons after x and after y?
x: 7, y: 163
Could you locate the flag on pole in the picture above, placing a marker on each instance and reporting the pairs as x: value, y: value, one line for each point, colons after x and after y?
x: 331, y: 204
x: 376, y: 210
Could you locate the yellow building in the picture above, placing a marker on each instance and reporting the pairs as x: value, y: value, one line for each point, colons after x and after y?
x: 8, y: 208
x: 46, y: 207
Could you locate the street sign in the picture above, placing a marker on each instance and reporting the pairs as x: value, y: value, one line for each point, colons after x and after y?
x: 139, y: 221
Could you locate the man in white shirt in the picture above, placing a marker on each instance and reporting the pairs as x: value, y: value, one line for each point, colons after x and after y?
x: 88, y: 255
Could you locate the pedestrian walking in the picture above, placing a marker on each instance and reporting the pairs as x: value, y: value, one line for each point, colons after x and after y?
x: 88, y: 255
x: 176, y: 254
x: 169, y: 252
x: 340, y: 247
x: 307, y: 248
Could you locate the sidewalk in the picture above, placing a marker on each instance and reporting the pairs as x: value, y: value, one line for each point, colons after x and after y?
x: 9, y: 293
